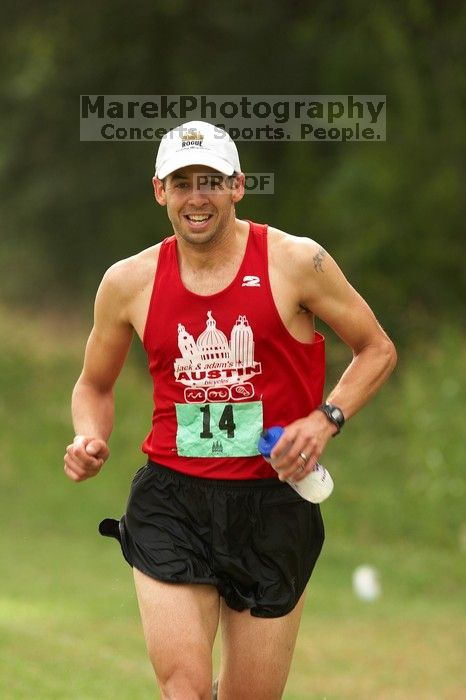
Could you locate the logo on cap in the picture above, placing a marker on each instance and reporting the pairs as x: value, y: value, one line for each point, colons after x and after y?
x: 192, y: 138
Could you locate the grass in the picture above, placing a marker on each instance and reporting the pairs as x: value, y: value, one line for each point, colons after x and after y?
x: 69, y: 625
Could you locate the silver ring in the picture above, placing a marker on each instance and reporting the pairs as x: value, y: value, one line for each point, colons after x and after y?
x: 304, y: 457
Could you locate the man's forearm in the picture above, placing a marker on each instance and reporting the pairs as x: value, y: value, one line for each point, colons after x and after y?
x: 92, y: 411
x: 369, y: 369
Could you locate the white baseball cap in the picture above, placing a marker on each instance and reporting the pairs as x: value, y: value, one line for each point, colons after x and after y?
x: 197, y: 143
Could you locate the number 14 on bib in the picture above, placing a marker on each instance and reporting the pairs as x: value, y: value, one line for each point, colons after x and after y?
x: 219, y: 429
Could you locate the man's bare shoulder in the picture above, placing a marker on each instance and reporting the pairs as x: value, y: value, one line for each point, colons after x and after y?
x: 130, y: 276
x: 294, y: 253
x: 303, y: 268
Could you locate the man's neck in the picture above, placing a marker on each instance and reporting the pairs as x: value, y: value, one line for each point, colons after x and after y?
x: 211, y: 271
x: 226, y: 246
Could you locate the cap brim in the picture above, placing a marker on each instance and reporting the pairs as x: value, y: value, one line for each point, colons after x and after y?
x: 194, y: 157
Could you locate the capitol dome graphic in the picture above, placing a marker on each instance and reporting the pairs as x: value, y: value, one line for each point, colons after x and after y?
x: 214, y: 359
x: 212, y: 344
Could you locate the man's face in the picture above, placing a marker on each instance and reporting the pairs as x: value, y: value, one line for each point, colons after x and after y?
x: 200, y: 201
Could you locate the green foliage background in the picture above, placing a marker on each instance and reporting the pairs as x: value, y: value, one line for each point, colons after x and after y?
x: 391, y: 213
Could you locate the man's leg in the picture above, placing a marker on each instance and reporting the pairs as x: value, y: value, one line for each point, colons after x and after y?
x: 180, y: 622
x: 256, y: 653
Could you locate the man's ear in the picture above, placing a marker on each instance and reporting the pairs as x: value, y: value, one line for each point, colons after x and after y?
x: 238, y: 188
x: 159, y: 191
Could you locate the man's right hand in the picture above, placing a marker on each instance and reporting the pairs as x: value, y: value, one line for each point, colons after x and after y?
x: 84, y: 457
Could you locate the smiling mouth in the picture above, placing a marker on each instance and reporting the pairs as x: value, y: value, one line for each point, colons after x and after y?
x: 198, y: 218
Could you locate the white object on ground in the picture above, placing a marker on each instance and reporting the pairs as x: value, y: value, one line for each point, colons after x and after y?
x: 366, y: 583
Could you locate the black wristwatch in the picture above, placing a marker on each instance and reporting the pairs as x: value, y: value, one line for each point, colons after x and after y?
x: 334, y: 414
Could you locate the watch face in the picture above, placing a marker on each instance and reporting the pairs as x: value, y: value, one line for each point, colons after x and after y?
x: 336, y: 414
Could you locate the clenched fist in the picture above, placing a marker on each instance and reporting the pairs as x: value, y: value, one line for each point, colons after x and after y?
x: 84, y: 457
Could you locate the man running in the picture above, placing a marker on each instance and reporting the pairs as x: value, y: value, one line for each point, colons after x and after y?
x: 225, y: 310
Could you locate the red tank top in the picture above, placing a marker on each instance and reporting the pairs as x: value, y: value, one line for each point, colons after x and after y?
x: 224, y: 366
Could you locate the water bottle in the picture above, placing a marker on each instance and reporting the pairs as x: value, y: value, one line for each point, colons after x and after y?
x: 315, y: 487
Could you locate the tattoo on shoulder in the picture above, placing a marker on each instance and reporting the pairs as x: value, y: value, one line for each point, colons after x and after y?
x: 318, y: 259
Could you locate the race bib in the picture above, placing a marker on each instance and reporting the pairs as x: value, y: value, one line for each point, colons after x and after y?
x: 218, y: 429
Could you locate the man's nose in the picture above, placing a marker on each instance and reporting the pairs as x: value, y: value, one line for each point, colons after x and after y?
x: 198, y: 197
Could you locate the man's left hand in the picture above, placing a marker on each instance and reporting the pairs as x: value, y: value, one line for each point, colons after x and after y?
x: 299, y: 448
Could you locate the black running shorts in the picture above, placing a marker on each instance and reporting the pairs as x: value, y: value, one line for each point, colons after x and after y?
x: 257, y: 540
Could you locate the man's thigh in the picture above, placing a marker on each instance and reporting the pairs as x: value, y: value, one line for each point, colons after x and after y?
x: 256, y: 653
x: 180, y: 622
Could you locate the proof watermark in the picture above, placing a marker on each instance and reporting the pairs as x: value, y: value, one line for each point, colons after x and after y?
x: 245, y: 117
x: 216, y: 183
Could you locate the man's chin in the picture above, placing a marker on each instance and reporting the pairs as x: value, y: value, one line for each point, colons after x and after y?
x: 197, y: 236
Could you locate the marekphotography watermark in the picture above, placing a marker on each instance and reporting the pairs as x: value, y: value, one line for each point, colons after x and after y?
x: 245, y: 117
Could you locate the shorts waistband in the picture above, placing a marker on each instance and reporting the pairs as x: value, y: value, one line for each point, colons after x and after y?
x: 226, y: 484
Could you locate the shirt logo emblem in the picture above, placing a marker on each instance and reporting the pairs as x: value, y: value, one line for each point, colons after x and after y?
x: 251, y: 281
x: 215, y: 368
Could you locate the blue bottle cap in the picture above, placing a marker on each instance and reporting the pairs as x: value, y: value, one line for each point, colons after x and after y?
x: 268, y: 440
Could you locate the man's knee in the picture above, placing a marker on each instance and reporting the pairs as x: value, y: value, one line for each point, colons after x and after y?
x: 185, y: 683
